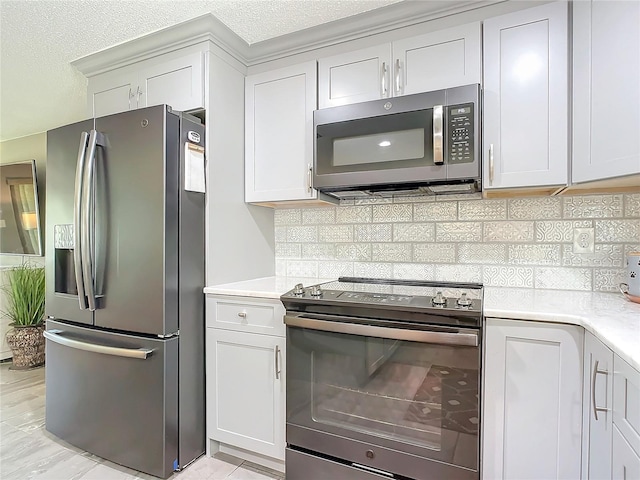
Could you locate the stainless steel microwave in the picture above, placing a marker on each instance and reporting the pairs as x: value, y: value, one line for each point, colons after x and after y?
x: 425, y: 143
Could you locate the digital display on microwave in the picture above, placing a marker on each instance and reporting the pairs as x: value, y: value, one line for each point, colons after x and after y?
x: 460, y: 110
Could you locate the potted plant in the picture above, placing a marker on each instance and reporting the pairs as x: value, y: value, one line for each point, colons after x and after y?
x: 25, y: 294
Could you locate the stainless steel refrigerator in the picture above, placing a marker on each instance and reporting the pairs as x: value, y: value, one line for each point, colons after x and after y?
x: 124, y: 275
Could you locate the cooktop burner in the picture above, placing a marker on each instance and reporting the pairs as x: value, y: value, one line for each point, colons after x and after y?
x: 399, y: 300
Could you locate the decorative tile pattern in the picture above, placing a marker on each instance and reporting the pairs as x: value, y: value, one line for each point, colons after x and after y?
x: 413, y: 271
x: 465, y: 197
x: 435, y: 211
x: 302, y: 234
x: 288, y: 250
x: 507, y: 276
x: 617, y: 231
x: 542, y: 254
x: 302, y: 268
x: 561, y: 231
x: 353, y: 251
x: 335, y: 269
x: 603, y: 256
x: 373, y: 233
x: 314, y: 216
x: 372, y: 270
x: 535, y: 208
x: 459, y: 232
x: 630, y: 247
x: 434, y: 252
x: 458, y: 273
x: 608, y: 279
x: 482, y: 253
x: 520, y: 242
x: 414, y: 232
x: 360, y: 214
x: 319, y: 251
x: 391, y: 252
x: 632, y: 205
x: 593, y: 206
x: 396, y: 212
x: 63, y: 236
x: 508, y: 232
x: 482, y: 210
x: 280, y: 232
x: 563, y: 278
x: 287, y: 216
x: 336, y: 233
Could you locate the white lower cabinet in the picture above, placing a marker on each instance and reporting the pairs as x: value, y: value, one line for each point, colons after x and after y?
x: 626, y: 462
x: 246, y: 380
x: 597, y: 414
x: 532, y: 400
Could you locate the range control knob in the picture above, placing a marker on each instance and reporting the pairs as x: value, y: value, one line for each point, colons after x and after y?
x: 463, y: 301
x: 316, y: 291
x: 298, y: 289
x: 438, y: 300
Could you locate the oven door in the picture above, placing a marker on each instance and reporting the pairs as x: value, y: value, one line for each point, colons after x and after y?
x: 397, y: 400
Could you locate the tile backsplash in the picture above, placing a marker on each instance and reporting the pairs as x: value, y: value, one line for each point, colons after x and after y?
x: 574, y: 243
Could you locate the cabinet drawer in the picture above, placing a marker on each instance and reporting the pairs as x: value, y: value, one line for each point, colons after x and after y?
x: 626, y: 402
x: 250, y: 315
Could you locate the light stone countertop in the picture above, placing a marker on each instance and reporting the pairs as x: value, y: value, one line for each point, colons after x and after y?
x: 609, y: 316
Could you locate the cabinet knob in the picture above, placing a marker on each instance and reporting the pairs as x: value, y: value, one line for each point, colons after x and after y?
x: 242, y: 314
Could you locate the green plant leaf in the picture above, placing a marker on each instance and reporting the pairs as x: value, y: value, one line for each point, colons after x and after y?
x: 25, y: 292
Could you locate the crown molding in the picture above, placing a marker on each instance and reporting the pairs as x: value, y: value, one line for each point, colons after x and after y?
x: 207, y: 28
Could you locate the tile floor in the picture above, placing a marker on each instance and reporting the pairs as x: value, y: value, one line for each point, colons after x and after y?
x: 28, y: 451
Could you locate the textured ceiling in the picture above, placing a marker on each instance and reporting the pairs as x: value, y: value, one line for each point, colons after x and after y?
x: 40, y: 90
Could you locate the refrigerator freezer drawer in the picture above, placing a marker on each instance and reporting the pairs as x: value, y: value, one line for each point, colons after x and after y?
x: 114, y: 395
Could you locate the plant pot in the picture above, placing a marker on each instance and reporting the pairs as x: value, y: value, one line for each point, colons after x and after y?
x: 27, y: 346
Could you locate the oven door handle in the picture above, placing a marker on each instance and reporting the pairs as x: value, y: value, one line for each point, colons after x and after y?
x: 462, y: 337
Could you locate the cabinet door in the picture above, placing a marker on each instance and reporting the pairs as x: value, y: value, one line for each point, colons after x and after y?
x: 178, y: 83
x: 355, y: 76
x: 525, y: 98
x: 245, y: 391
x: 532, y: 400
x: 436, y: 60
x: 626, y: 402
x: 279, y: 134
x: 111, y: 92
x: 606, y: 89
x: 598, y: 401
x: 626, y: 463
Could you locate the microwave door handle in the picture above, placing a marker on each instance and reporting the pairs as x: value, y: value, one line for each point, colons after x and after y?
x: 438, y: 152
x: 77, y: 220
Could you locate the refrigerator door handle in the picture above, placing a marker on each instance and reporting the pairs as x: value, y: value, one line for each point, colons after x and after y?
x: 140, y: 353
x: 77, y: 220
x: 87, y: 225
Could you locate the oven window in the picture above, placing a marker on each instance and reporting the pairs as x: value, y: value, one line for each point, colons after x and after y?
x: 423, y: 396
x: 398, y: 140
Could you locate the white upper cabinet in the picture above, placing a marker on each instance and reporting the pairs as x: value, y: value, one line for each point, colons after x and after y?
x: 436, y: 60
x: 279, y: 134
x: 526, y: 98
x: 606, y: 89
x: 354, y: 76
x: 177, y: 81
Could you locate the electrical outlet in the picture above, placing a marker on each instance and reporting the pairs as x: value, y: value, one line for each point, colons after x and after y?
x: 583, y: 240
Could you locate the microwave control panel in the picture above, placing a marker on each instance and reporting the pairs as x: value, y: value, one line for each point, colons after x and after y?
x: 460, y: 133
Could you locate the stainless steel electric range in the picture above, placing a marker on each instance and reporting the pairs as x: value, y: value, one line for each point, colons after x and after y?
x: 383, y: 380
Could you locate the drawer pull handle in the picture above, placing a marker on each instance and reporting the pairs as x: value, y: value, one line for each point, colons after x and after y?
x: 242, y: 314
x: 597, y: 409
